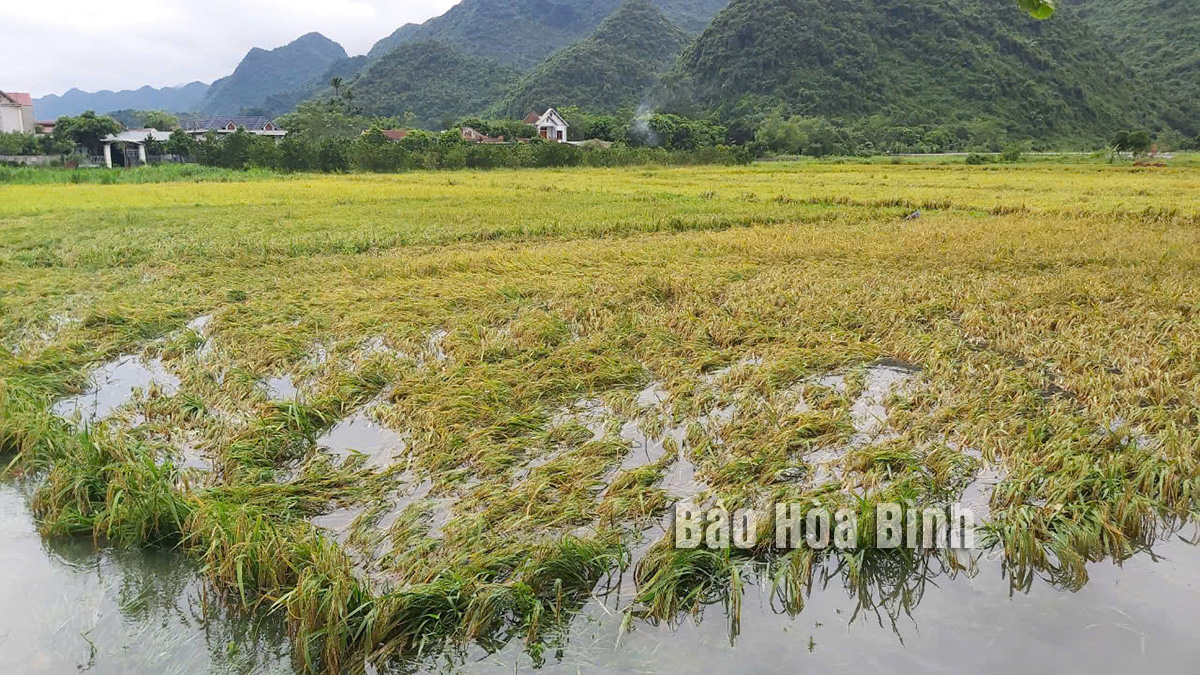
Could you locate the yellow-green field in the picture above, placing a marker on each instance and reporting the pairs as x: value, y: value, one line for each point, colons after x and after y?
x: 521, y: 331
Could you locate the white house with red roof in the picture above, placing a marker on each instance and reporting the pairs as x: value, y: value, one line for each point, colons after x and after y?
x: 16, y: 112
x: 550, y: 125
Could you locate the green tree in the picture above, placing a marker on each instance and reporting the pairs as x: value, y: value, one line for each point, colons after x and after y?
x: 1136, y: 142
x: 1038, y: 9
x: 815, y: 136
x: 235, y: 149
x: 1140, y: 142
x: 180, y: 143
x: 160, y: 120
x: 675, y: 132
x: 86, y: 130
x: 315, y: 121
x: 296, y: 154
x: 18, y: 143
x: 374, y: 136
x: 332, y: 157
x: 153, y: 147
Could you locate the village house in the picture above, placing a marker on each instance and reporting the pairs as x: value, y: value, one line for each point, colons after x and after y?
x: 132, y: 146
x: 474, y: 136
x: 16, y: 112
x: 550, y: 125
x: 222, y: 125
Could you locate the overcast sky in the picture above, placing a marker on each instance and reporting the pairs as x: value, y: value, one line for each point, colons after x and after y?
x: 49, y: 47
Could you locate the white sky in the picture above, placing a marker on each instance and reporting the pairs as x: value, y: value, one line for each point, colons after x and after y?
x: 49, y: 47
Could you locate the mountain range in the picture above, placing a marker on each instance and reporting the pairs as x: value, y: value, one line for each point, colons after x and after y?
x: 434, y: 81
x: 1096, y: 66
x: 265, y: 73
x: 614, y: 66
x: 913, y: 62
x: 1159, y: 39
x: 521, y: 33
x: 74, y: 101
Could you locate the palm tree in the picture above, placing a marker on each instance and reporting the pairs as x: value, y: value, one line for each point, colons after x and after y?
x: 336, y: 83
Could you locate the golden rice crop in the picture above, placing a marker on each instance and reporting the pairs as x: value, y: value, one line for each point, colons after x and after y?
x: 1052, y: 311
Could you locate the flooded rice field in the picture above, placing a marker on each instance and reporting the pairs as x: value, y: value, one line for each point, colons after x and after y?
x: 1141, y: 616
x: 113, y: 385
x: 74, y: 607
x: 148, y: 610
x: 71, y: 607
x: 433, y: 425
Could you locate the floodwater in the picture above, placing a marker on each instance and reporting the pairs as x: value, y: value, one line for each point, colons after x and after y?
x: 280, y: 388
x: 70, y: 607
x: 1141, y: 616
x: 108, y: 611
x: 74, y: 608
x: 361, y: 434
x: 113, y: 385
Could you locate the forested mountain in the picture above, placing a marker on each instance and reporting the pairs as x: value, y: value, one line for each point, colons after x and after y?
x: 434, y: 81
x: 283, y: 102
x: 1160, y: 39
x: 912, y: 62
x: 521, y: 33
x: 263, y: 73
x: 1097, y: 66
x: 173, y: 99
x: 691, y: 15
x: 614, y: 66
x: 398, y: 37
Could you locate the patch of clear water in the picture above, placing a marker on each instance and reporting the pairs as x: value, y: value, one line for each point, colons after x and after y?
x: 869, y: 412
x: 113, y: 384
x: 361, y: 434
x: 652, y: 395
x: 280, y: 388
x: 592, y: 413
x: 199, y: 325
x: 434, y: 347
x: 338, y: 522
x: 680, y: 481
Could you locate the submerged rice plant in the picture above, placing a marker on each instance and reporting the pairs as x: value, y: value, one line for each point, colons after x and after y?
x: 555, y: 372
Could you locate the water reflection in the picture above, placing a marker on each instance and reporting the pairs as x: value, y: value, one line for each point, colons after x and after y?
x: 72, y: 608
x: 889, y: 617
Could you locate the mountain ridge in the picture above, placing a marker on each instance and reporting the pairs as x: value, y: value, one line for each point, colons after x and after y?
x: 75, y: 101
x: 1163, y: 42
x: 534, y: 29
x: 432, y: 80
x: 613, y: 66
x: 937, y: 61
x: 263, y: 73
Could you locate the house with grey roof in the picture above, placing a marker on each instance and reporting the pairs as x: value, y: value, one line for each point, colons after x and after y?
x: 227, y: 124
x: 131, y: 145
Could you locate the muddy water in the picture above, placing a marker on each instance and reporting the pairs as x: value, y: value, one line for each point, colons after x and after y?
x: 70, y: 607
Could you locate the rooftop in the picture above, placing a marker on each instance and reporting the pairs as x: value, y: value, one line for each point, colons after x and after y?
x: 18, y: 97
x: 251, y: 123
x: 136, y: 136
